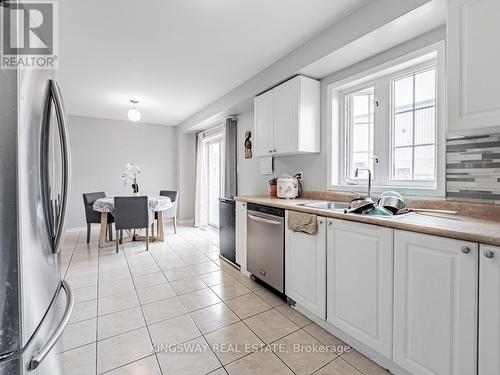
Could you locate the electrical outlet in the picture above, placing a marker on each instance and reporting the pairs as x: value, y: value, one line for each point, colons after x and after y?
x: 299, y: 175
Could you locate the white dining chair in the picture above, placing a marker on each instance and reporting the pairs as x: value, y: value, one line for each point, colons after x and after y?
x: 170, y: 213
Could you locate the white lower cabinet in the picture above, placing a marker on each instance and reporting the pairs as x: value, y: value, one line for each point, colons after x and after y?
x: 489, y: 310
x: 241, y: 235
x: 430, y: 304
x: 435, y: 304
x: 360, y: 282
x: 305, y: 268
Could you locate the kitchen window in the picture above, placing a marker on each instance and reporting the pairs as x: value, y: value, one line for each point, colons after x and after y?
x: 413, y: 119
x: 390, y: 121
x: 360, y: 129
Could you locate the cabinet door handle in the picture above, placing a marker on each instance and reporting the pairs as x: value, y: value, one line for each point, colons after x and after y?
x: 488, y: 254
x: 320, y: 222
x: 465, y: 249
x: 275, y: 150
x: 270, y: 151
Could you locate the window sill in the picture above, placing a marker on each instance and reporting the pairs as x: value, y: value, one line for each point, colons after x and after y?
x: 404, y: 190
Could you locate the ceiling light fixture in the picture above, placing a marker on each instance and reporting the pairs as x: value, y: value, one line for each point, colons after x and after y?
x: 133, y: 113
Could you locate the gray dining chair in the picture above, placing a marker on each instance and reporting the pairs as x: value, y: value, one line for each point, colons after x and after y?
x: 170, y: 213
x: 132, y: 213
x: 94, y: 217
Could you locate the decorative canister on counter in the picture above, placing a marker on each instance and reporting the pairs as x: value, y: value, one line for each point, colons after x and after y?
x: 273, y: 183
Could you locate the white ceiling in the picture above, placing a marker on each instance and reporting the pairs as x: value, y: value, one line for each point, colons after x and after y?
x: 413, y: 24
x: 176, y: 56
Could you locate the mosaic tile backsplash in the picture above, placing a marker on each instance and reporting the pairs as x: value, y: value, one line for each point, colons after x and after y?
x: 473, y: 168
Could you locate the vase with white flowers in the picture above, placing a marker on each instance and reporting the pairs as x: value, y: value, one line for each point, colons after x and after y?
x: 130, y: 176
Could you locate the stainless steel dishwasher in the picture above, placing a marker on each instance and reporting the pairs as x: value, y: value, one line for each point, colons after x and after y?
x: 265, y: 244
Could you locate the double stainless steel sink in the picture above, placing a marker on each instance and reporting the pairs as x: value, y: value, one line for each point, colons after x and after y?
x: 342, y: 206
x: 327, y: 205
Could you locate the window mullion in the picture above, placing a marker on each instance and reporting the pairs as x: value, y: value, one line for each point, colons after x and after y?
x: 382, y: 132
x: 413, y: 133
x: 347, y: 143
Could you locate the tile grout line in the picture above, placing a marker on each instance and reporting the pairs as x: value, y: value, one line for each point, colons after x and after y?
x: 275, y: 308
x: 97, y: 309
x: 188, y: 313
x: 239, y: 320
x: 142, y: 311
x: 261, y: 339
x: 326, y: 364
x: 97, y: 299
x: 128, y: 363
x: 156, y: 322
x: 84, y: 320
x: 339, y: 356
x: 140, y: 305
x: 71, y: 257
x: 198, y: 275
x: 274, y: 342
x: 203, y: 334
x: 199, y: 329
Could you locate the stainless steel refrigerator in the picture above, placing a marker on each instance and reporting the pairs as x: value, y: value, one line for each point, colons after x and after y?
x: 34, y: 191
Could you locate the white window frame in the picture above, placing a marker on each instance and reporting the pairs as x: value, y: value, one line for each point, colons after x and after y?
x: 210, y: 136
x: 390, y: 157
x: 343, y: 131
x: 420, y: 59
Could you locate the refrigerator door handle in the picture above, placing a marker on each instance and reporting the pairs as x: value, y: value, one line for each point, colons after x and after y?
x: 55, y: 211
x: 42, y: 353
x: 66, y: 167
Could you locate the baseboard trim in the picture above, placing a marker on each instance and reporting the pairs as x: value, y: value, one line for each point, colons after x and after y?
x: 186, y: 221
x: 84, y: 228
x: 368, y: 352
x: 76, y: 229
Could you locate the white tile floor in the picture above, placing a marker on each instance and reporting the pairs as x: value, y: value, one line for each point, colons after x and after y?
x: 131, y: 303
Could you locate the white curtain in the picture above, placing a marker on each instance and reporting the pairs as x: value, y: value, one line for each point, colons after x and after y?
x: 201, y: 204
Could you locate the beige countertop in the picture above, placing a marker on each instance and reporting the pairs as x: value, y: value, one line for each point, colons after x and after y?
x: 453, y: 226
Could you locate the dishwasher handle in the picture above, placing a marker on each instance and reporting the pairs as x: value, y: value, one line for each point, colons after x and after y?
x: 264, y: 220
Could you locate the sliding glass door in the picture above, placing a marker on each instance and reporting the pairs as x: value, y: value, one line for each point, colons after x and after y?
x: 215, y: 169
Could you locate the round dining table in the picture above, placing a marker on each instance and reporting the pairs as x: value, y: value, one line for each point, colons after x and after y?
x: 107, y: 205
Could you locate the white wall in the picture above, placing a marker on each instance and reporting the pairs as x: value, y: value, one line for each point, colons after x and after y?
x: 186, y: 167
x: 101, y: 148
x: 314, y: 167
x: 251, y: 182
x: 363, y: 21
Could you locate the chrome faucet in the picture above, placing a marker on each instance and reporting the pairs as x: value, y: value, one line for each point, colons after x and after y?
x: 356, y: 173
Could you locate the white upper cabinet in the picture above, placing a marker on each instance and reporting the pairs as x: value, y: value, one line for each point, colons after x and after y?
x: 360, y: 282
x: 305, y: 268
x: 286, y: 102
x: 287, y: 118
x: 435, y: 304
x: 473, y: 56
x: 264, y: 120
x: 489, y: 310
